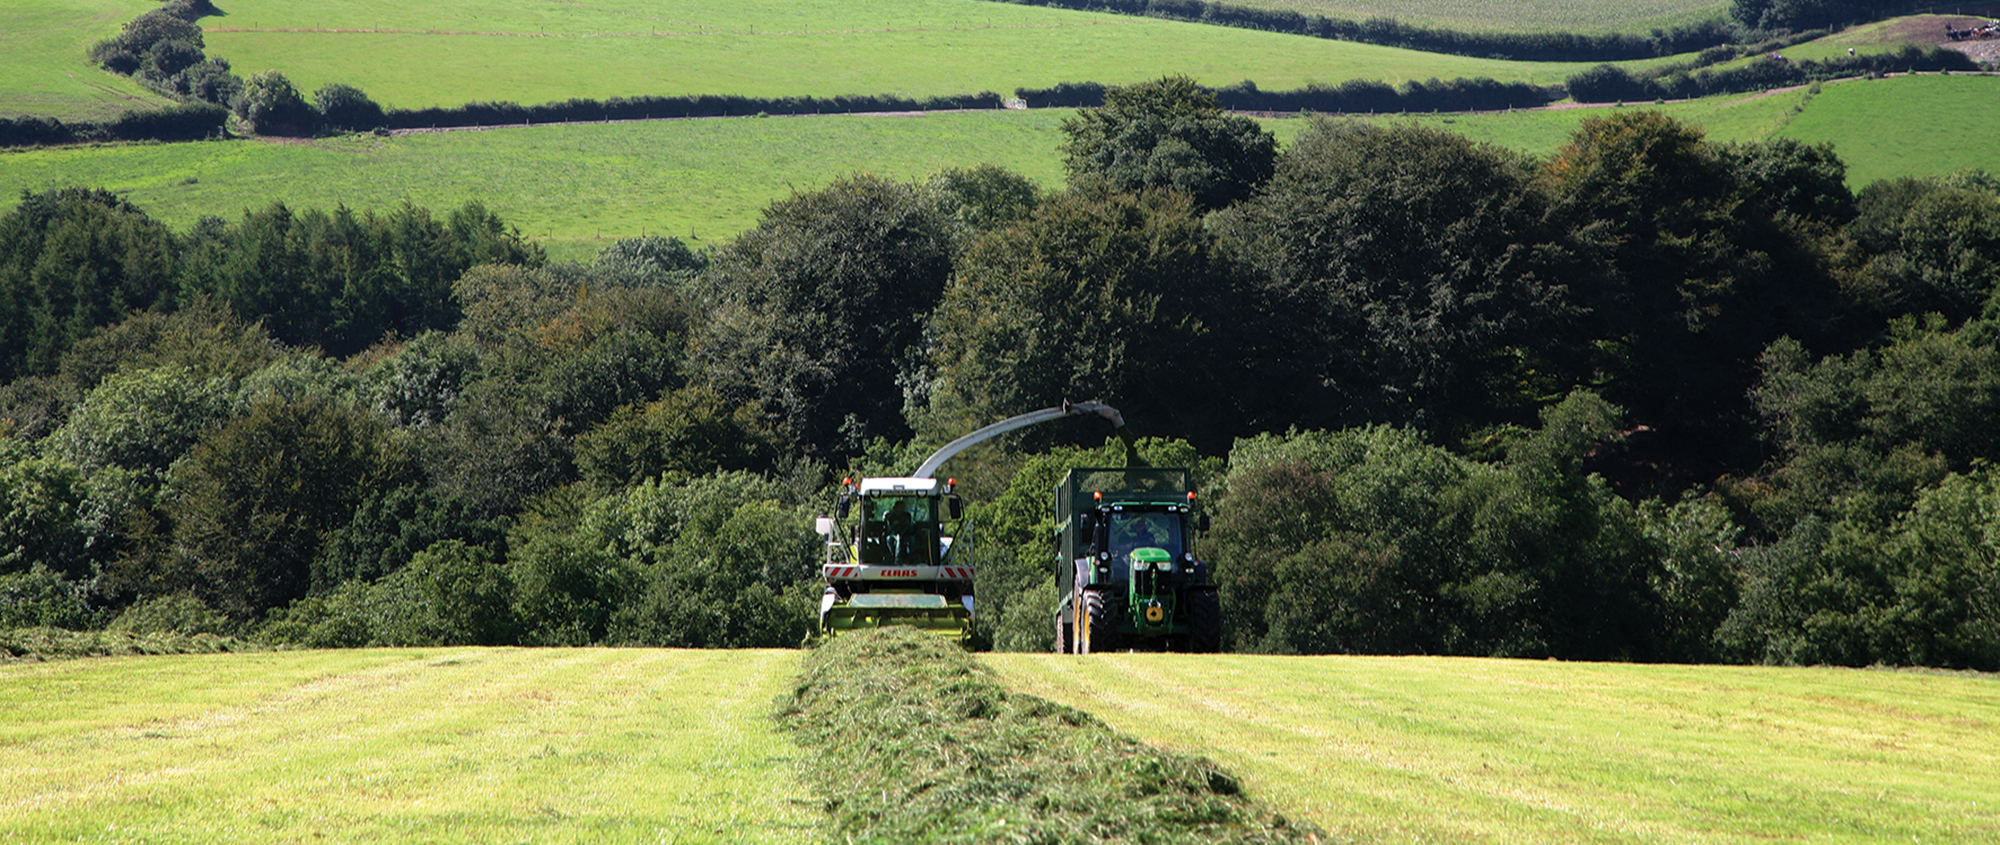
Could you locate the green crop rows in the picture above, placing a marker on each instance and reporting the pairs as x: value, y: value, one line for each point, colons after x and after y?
x: 446, y: 745
x: 1467, y: 750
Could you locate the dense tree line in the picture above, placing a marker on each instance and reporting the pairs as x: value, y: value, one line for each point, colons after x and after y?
x: 1648, y: 398
x: 1610, y: 83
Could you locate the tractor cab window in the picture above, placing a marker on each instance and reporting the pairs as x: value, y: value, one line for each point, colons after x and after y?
x: 1140, y: 529
x: 899, y: 532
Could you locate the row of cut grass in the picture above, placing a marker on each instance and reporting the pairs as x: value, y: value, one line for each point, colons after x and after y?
x: 45, y: 70
x: 910, y: 740
x: 451, y: 52
x: 1463, y: 750
x: 447, y: 745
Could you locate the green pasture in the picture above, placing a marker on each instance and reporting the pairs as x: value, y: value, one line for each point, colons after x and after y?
x: 1414, y: 749
x: 439, y: 745
x: 451, y: 52
x: 572, y: 188
x: 1926, y: 125
x: 1585, y: 16
x: 44, y: 67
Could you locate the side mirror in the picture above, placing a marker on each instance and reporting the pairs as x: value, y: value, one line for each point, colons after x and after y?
x: 840, y: 509
x: 1201, y: 522
x: 955, y: 507
x: 824, y: 525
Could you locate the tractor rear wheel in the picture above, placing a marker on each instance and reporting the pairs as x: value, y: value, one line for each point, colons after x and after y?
x: 1204, y: 621
x: 1097, y: 631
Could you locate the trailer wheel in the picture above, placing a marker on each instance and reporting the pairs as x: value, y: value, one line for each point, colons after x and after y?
x: 1204, y: 619
x: 1065, y: 633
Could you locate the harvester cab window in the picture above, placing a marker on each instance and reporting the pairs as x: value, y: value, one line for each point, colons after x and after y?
x: 901, y: 533
x: 1141, y: 529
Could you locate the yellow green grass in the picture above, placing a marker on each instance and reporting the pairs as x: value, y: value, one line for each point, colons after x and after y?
x: 45, y: 70
x: 450, y: 52
x: 573, y: 188
x: 441, y: 745
x: 1637, y: 16
x: 1465, y: 750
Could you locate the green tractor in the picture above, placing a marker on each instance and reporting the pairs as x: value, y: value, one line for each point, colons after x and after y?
x: 1126, y: 567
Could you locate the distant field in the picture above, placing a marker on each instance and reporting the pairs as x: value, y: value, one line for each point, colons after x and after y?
x: 450, y: 52
x: 576, y: 188
x: 573, y: 188
x: 44, y: 69
x: 1913, y: 126
x: 405, y: 745
x: 1586, y: 16
x: 1406, y: 750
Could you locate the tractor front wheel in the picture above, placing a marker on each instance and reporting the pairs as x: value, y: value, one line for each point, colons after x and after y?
x: 1204, y: 621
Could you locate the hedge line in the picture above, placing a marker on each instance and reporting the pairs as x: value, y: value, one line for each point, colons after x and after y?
x: 1353, y: 96
x: 1523, y: 46
x: 39, y: 644
x: 1606, y: 83
x: 184, y: 122
x: 700, y: 105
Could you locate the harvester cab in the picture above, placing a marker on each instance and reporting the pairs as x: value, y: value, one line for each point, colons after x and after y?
x: 1126, y: 568
x: 889, y: 558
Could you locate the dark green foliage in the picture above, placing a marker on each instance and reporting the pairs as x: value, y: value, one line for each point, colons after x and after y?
x: 622, y: 367
x: 872, y: 707
x: 1921, y: 246
x: 343, y: 281
x: 257, y: 497
x: 450, y: 594
x: 651, y: 261
x: 41, y: 598
x: 1119, y: 298
x: 390, y: 527
x: 72, y: 260
x: 1690, y: 277
x: 173, y: 613
x: 1168, y: 134
x: 346, y: 108
x: 819, y: 310
x: 684, y: 433
x: 273, y: 106
x: 1413, y: 275
x: 1369, y: 541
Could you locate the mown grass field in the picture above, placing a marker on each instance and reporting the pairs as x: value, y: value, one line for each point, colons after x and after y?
x: 438, y: 745
x: 1406, y: 750
x: 44, y: 69
x: 450, y: 52
x: 1637, y: 16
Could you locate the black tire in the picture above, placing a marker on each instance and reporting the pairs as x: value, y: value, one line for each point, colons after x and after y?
x: 1065, y: 632
x: 1204, y: 621
x: 1098, y: 634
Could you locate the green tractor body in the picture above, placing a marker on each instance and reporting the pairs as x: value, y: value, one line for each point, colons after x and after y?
x: 889, y: 560
x: 1126, y: 569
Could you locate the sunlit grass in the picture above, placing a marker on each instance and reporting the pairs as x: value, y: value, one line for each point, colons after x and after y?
x: 442, y: 745
x: 1465, y: 750
x: 450, y: 52
x: 1926, y: 125
x: 572, y: 188
x: 45, y: 69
